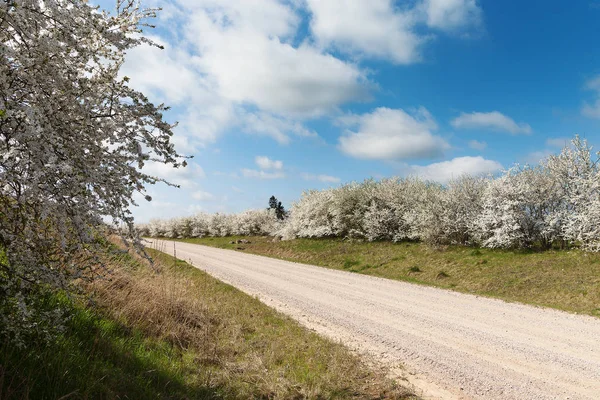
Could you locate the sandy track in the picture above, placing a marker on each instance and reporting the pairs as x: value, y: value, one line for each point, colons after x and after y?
x: 452, y: 345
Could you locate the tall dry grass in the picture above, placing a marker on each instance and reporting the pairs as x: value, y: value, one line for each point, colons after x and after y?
x: 241, y: 347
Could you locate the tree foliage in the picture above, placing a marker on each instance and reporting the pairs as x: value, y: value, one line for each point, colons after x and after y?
x: 73, y: 135
x: 277, y: 207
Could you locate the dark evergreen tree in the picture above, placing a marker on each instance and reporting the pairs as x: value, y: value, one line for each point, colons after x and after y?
x: 276, y: 205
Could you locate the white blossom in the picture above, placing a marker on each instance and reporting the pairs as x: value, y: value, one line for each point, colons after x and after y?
x: 71, y: 131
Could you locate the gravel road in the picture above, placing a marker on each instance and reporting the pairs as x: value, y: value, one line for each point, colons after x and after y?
x: 450, y: 345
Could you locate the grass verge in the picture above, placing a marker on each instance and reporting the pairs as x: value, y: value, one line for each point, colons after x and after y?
x: 170, y: 331
x: 566, y: 280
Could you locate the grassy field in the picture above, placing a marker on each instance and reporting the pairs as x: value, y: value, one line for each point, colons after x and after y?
x: 170, y: 331
x: 567, y: 280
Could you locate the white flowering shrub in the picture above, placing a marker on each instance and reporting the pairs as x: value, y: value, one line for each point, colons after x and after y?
x: 311, y: 216
x: 251, y: 222
x: 256, y: 222
x: 577, y: 176
x: 519, y: 209
x: 73, y: 139
x: 379, y: 222
x: 462, y: 204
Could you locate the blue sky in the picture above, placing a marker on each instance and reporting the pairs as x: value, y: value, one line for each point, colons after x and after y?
x: 277, y: 97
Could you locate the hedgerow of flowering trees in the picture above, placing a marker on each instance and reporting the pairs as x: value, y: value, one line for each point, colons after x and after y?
x: 251, y: 222
x: 577, y: 179
x: 73, y: 139
x: 555, y: 203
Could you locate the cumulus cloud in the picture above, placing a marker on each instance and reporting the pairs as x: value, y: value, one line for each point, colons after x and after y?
x: 452, y: 15
x: 321, y: 178
x: 477, y: 145
x: 278, y: 128
x: 236, y: 64
x: 232, y: 64
x: 494, y: 120
x: 445, y: 171
x: 253, y: 173
x: 266, y: 163
x: 170, y: 76
x: 268, y: 169
x: 592, y: 110
x: 381, y: 29
x: 252, y: 63
x: 373, y: 28
x: 148, y: 66
x: 392, y: 134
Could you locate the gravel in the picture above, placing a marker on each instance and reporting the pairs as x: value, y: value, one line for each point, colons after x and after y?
x: 445, y: 344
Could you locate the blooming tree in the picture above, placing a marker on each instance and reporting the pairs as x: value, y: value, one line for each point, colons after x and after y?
x: 577, y: 176
x: 462, y: 206
x: 74, y: 136
x: 250, y: 222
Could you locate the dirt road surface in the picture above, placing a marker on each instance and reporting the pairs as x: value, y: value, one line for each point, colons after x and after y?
x: 450, y: 345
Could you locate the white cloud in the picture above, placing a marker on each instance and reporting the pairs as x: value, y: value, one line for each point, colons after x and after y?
x: 269, y: 169
x: 392, y: 134
x: 252, y: 173
x: 171, y: 76
x: 445, y: 171
x: 477, y: 145
x: 229, y: 64
x: 147, y: 66
x: 202, y: 124
x: 266, y: 163
x: 202, y: 196
x: 278, y: 128
x: 451, y: 15
x: 373, y: 27
x: 185, y: 177
x: 382, y: 29
x: 321, y: 178
x: 251, y: 62
x: 268, y: 17
x: 240, y: 64
x: 494, y: 120
x: 592, y: 110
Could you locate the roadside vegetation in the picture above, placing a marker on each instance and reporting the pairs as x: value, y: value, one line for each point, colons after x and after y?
x: 531, y: 234
x: 171, y: 331
x: 555, y: 204
x: 564, y: 279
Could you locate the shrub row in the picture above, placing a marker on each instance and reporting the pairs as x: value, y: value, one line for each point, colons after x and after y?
x: 556, y: 203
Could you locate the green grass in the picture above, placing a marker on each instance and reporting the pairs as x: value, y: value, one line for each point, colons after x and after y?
x: 170, y: 331
x: 98, y: 357
x: 564, y: 279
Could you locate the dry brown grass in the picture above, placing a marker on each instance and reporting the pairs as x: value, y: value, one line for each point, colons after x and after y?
x: 240, y: 347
